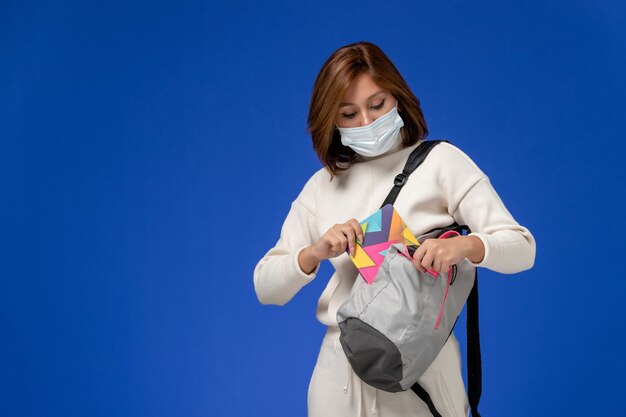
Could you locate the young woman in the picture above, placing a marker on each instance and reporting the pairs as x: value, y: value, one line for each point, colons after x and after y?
x: 365, y: 121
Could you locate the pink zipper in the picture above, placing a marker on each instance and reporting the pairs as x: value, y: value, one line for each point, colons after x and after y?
x: 451, y: 272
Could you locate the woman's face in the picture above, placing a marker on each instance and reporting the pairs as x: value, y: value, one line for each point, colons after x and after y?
x: 363, y: 103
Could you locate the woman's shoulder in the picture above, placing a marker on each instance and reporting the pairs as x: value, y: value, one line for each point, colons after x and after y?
x: 316, y: 180
x: 451, y: 158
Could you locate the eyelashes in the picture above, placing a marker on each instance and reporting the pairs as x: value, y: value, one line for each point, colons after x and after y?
x: 351, y: 115
x: 379, y: 106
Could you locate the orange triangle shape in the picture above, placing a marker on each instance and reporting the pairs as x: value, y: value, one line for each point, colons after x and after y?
x: 361, y: 259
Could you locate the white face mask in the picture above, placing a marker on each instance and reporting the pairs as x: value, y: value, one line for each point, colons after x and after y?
x: 377, y: 137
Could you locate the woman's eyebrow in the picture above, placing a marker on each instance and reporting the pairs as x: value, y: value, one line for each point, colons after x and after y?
x: 369, y: 98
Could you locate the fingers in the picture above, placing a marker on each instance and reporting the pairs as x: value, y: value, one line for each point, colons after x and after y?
x: 433, y: 254
x: 330, y: 244
x: 348, y: 232
x: 357, y: 229
x: 339, y: 242
x: 424, y: 257
x: 353, y: 232
x: 440, y: 266
x: 342, y: 237
x: 418, y: 256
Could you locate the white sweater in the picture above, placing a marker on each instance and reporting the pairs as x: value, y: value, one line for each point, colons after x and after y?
x: 447, y: 187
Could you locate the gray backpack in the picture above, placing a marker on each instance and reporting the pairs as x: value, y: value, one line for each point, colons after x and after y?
x: 394, y: 328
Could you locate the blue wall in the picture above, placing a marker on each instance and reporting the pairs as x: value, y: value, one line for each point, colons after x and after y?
x: 149, y: 152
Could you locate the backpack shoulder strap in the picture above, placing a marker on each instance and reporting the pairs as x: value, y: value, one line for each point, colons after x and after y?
x: 415, y: 159
x: 474, y: 363
x: 474, y: 366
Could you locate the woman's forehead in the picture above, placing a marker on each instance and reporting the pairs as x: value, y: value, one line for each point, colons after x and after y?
x: 361, y: 89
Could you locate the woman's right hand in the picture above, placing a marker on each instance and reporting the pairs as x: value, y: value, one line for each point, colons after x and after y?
x: 336, y: 239
x: 331, y: 244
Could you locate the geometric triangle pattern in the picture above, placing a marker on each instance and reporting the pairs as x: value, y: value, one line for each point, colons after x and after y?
x: 380, y: 231
x: 408, y: 237
x: 374, y: 252
x: 374, y: 222
x: 361, y: 257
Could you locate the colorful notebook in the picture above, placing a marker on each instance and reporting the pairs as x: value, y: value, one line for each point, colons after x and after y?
x: 380, y: 231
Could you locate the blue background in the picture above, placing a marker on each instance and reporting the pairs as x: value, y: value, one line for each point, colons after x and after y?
x: 149, y: 153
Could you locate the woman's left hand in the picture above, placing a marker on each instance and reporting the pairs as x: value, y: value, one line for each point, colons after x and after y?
x: 441, y: 254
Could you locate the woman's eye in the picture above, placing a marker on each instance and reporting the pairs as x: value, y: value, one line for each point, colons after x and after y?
x: 348, y: 115
x: 379, y: 106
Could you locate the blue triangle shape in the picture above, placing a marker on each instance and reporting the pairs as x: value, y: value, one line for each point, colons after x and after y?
x: 374, y: 222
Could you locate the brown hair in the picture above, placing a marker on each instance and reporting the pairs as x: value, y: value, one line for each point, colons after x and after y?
x: 332, y: 82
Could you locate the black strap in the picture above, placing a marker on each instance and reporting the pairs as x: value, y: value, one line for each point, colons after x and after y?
x: 474, y: 363
x: 421, y: 392
x: 417, y: 156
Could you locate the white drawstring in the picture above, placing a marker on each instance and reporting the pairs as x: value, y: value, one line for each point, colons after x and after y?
x: 361, y: 388
x: 374, y: 403
x: 361, y: 394
x: 360, y: 399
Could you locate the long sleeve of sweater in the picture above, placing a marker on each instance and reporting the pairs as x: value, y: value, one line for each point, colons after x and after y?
x: 277, y: 276
x: 472, y: 200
